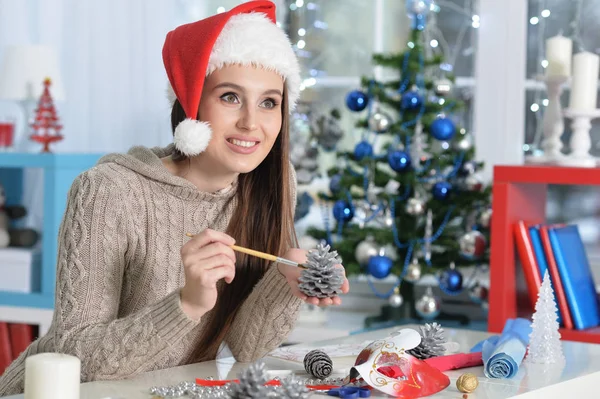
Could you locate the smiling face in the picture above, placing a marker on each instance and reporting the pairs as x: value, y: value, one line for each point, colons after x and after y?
x: 242, y: 104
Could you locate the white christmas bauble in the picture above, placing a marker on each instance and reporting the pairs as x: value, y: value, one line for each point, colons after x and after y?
x: 472, y: 245
x: 395, y: 300
x: 428, y: 306
x: 364, y: 250
x: 413, y: 272
x: 379, y: 122
x: 485, y: 218
x: 307, y: 242
x: 464, y: 143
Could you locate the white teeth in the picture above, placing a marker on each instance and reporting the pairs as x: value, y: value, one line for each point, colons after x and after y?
x: 242, y: 143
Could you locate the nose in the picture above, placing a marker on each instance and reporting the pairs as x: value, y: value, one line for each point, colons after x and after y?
x: 247, y: 119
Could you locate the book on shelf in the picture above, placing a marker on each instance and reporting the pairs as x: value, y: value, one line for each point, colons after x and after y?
x: 559, y: 249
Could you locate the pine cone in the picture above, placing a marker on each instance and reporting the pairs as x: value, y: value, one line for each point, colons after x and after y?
x: 252, y: 383
x: 432, y: 342
x: 321, y: 278
x: 318, y: 364
x: 293, y: 389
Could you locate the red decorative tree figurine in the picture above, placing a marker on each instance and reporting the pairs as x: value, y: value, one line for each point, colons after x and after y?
x: 46, y: 127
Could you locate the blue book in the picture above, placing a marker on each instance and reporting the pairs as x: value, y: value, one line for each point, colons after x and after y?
x: 574, y: 269
x: 542, y: 262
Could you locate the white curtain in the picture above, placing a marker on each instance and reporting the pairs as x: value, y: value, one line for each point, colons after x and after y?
x: 110, y: 55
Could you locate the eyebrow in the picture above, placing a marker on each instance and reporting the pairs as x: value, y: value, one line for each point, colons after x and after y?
x: 240, y: 88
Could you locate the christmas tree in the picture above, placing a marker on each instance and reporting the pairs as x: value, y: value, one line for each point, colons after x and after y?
x: 409, y: 196
x: 544, y: 341
x: 46, y: 125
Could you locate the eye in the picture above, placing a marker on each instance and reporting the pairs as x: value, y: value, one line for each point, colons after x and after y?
x: 230, y: 98
x: 269, y: 103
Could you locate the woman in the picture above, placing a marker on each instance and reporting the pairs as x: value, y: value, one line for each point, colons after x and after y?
x: 133, y: 292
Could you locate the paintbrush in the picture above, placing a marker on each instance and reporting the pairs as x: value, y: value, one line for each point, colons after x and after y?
x: 262, y: 255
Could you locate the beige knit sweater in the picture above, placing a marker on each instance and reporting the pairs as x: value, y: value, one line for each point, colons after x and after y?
x: 119, y: 273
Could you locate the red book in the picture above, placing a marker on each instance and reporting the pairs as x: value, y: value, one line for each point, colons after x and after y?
x: 557, y: 284
x: 21, y: 335
x: 533, y: 279
x: 5, y: 350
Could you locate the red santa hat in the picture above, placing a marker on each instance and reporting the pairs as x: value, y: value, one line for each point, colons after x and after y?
x: 246, y: 35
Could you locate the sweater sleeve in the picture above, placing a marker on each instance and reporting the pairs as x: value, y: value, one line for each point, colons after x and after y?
x: 268, y: 314
x: 92, y: 253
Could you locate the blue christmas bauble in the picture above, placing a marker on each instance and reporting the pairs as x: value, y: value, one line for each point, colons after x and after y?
x: 335, y: 184
x: 399, y: 160
x: 441, y: 190
x: 451, y: 281
x: 443, y: 128
x: 411, y: 100
x: 356, y: 100
x: 342, y: 211
x: 379, y: 266
x: 363, y: 150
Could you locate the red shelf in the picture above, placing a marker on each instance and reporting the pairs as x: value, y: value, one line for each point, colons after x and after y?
x: 519, y: 193
x: 547, y: 175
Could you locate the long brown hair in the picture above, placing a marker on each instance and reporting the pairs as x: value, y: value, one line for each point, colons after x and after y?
x: 263, y: 220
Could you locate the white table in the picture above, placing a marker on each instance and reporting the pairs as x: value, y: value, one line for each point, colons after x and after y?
x: 578, y: 379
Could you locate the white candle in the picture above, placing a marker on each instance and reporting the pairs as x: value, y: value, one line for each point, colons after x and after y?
x: 52, y: 375
x: 584, y: 84
x: 559, y: 51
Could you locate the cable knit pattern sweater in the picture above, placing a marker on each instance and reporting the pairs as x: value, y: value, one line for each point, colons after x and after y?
x: 119, y: 274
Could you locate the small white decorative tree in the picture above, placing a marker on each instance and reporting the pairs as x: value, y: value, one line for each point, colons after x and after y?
x: 545, y: 346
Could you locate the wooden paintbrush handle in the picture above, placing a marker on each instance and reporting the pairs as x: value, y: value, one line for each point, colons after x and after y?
x: 254, y: 253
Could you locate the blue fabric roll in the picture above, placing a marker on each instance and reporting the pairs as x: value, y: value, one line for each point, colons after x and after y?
x: 502, y: 355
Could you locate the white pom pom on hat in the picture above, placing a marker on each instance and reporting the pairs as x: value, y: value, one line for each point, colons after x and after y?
x: 246, y: 35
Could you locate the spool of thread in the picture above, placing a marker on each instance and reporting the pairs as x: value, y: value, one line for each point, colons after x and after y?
x: 318, y: 364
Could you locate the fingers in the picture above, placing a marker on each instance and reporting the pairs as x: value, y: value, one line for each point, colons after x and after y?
x: 208, y: 236
x: 345, y: 286
x: 208, y: 251
x: 209, y: 278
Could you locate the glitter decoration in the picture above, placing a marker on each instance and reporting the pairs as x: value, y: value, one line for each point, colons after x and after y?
x: 322, y: 278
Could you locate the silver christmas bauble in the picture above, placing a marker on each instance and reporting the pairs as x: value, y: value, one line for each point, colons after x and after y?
x: 413, y: 272
x: 464, y: 143
x: 442, y: 87
x: 396, y: 300
x: 485, y: 218
x: 472, y: 245
x: 379, y: 122
x: 415, y: 206
x: 364, y: 250
x: 428, y: 306
x: 473, y: 182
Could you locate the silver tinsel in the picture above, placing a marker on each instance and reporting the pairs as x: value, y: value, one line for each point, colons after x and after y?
x: 415, y: 206
x: 321, y: 278
x: 318, y: 364
x: 252, y: 383
x: 432, y: 342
